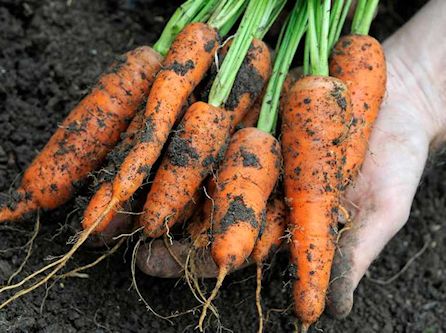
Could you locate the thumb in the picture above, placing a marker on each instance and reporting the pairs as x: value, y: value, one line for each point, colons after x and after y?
x: 382, y: 198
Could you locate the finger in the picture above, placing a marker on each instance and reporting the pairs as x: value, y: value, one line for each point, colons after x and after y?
x: 382, y: 197
x: 155, y: 259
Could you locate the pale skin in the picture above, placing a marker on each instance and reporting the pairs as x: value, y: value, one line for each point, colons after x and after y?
x: 410, y: 126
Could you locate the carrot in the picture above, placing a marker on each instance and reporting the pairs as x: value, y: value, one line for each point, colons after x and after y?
x: 269, y: 241
x: 314, y: 125
x: 90, y: 131
x: 194, y: 149
x: 248, y: 175
x: 199, y: 144
x: 359, y: 61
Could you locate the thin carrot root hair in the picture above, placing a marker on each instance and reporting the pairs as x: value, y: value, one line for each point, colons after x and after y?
x: 221, y: 276
x: 60, y: 263
x: 30, y: 244
x: 76, y: 272
x: 190, y: 273
x: 259, y: 297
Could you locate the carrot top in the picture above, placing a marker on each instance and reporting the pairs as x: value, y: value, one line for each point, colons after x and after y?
x: 338, y: 14
x: 258, y: 18
x: 324, y: 28
x: 364, y: 16
x: 189, y: 11
x: 219, y: 14
x: 226, y: 14
x: 289, y: 39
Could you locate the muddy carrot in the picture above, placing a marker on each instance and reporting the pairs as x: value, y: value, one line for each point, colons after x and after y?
x: 289, y: 39
x: 268, y: 242
x: 359, y: 61
x: 90, y: 131
x: 314, y: 126
x: 245, y: 180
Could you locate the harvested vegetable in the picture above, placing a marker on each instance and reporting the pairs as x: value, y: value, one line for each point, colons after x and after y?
x: 83, y: 140
x: 314, y: 126
x: 268, y: 242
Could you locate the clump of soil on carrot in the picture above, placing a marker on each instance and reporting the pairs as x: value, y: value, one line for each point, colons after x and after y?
x: 51, y: 55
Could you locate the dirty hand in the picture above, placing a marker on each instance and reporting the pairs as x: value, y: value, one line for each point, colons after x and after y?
x: 412, y: 121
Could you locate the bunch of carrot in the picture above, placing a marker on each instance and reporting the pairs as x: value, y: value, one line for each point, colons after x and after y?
x: 205, y: 159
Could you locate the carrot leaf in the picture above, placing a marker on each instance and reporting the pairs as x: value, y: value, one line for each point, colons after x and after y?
x: 226, y: 14
x: 255, y: 14
x: 365, y: 17
x: 289, y: 39
x: 184, y: 15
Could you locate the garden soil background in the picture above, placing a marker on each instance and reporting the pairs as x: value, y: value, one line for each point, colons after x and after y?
x: 51, y: 51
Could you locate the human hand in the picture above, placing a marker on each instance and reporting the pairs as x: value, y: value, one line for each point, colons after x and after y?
x: 411, y: 122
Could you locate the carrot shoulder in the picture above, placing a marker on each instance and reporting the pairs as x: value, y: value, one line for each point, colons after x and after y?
x: 90, y: 131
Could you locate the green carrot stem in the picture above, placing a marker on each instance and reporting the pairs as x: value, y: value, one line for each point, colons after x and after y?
x: 325, y: 25
x: 306, y: 64
x: 359, y: 12
x: 226, y: 14
x: 268, y: 21
x: 255, y: 13
x: 180, y: 18
x: 224, y: 30
x: 312, y: 38
x: 334, y: 20
x: 363, y: 26
x: 337, y: 19
x: 341, y: 23
x: 207, y: 10
x: 289, y: 39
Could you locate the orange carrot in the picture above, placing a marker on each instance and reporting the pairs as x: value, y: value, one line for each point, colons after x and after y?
x: 191, y: 155
x: 314, y: 126
x: 195, y: 149
x: 315, y: 123
x: 251, y: 117
x: 269, y: 240
x: 359, y: 61
x: 90, y: 131
x: 245, y: 180
x: 271, y: 237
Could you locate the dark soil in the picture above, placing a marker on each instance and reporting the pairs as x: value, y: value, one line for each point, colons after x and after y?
x: 51, y: 51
